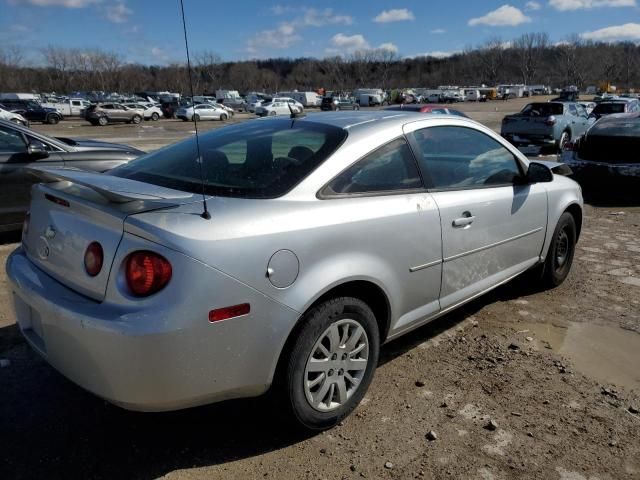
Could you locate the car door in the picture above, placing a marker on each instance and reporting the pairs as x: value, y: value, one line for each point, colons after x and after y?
x: 576, y: 123
x: 397, y: 223
x: 15, y: 182
x: 493, y: 226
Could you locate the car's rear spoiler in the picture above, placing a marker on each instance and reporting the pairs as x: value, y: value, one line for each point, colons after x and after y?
x: 556, y: 167
x: 114, y: 189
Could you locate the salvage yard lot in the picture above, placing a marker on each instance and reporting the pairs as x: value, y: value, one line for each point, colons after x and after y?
x: 557, y: 372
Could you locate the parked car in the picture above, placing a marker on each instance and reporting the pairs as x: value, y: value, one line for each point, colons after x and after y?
x: 549, y: 124
x: 427, y: 108
x: 434, y: 98
x: 260, y: 292
x: 22, y: 147
x: 278, y: 107
x: 236, y: 103
x: 105, y: 113
x: 12, y: 116
x: 149, y: 112
x: 615, y: 106
x: 169, y: 109
x: 33, y: 111
x: 70, y: 107
x: 608, y: 152
x: 339, y: 103
x: 203, y: 111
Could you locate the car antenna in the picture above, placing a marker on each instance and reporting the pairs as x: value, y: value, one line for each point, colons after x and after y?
x: 205, y: 214
x: 293, y: 115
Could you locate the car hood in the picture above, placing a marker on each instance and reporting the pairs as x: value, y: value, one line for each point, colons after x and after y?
x: 84, y: 144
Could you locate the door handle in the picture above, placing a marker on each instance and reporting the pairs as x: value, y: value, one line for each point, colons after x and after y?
x: 464, y: 221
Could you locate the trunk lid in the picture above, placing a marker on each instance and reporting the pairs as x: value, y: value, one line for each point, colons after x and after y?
x: 74, y: 209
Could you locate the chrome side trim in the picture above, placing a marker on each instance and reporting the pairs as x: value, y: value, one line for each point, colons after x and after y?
x: 426, y: 265
x: 491, y: 245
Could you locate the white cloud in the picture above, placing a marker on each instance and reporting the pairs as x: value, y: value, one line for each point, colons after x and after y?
x: 564, y: 5
x: 117, y: 12
x: 288, y: 33
x: 159, y: 53
x: 532, y: 6
x: 505, y: 16
x: 282, y: 37
x: 628, y: 31
x: 438, y: 31
x: 436, y: 54
x: 57, y: 3
x: 390, y: 47
x: 349, y: 43
x: 394, y: 15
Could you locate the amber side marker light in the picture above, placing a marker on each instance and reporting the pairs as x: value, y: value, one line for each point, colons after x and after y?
x: 229, y: 312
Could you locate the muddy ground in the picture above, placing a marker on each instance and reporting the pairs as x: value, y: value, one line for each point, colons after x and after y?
x: 558, y: 373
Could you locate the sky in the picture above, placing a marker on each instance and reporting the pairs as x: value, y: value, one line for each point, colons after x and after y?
x: 150, y: 31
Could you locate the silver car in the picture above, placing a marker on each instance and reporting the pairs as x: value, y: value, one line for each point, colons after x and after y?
x: 322, y: 238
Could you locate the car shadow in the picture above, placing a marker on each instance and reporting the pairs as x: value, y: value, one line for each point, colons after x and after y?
x: 7, y: 238
x: 606, y: 191
x: 54, y: 429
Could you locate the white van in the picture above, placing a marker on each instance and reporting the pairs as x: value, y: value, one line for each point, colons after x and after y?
x: 472, y: 95
x: 307, y: 99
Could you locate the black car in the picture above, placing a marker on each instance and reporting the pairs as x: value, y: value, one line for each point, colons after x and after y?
x: 33, y: 111
x: 338, y: 103
x: 22, y: 147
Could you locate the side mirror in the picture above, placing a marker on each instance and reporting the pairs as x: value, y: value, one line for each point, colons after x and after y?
x: 37, y: 149
x: 539, y: 173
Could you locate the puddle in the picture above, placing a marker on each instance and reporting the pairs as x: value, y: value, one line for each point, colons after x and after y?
x: 606, y: 354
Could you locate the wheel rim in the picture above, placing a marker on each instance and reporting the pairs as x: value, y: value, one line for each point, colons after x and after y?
x: 102, y: 121
x: 563, y: 140
x: 336, y: 365
x: 562, y: 249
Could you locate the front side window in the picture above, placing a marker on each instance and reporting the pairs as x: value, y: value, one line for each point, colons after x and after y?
x: 389, y: 168
x: 250, y: 160
x: 456, y: 158
x: 11, y: 141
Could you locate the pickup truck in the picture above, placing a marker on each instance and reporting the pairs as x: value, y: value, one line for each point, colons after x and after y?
x: 549, y: 124
x: 72, y: 108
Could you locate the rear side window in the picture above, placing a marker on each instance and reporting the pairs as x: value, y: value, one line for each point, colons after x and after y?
x: 388, y: 169
x: 456, y: 158
x: 261, y: 159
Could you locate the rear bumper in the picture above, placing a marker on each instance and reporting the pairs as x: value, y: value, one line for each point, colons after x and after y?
x: 153, y: 358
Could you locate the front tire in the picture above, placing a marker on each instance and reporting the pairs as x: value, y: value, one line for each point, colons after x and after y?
x: 223, y: 117
x: 53, y: 119
x: 136, y: 119
x: 564, y: 138
x: 561, y: 251
x: 332, y: 362
x: 103, y: 121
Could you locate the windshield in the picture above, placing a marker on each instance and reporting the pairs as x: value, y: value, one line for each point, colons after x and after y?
x: 259, y: 159
x: 609, y: 108
x: 542, y: 109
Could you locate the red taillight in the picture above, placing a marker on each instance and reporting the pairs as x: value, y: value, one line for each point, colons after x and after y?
x: 25, y: 224
x: 147, y: 273
x: 93, y: 258
x: 229, y: 312
x: 551, y: 120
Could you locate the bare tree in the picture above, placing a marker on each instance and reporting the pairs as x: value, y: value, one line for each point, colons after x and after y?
x: 491, y: 57
x: 530, y: 49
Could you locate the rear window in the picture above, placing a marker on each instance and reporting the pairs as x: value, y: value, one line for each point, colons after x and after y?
x: 609, y: 108
x: 260, y: 159
x: 542, y: 109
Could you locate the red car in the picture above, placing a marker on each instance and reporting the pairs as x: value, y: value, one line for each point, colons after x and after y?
x: 427, y: 108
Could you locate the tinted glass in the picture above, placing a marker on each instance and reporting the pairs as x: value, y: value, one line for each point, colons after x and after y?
x: 390, y: 168
x: 252, y: 160
x: 542, y: 109
x: 572, y: 110
x: 459, y: 157
x: 607, y: 108
x: 11, y: 141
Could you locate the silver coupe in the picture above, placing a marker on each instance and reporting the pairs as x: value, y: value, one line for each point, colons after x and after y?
x: 279, y: 253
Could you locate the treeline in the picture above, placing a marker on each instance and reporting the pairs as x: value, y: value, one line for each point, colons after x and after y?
x: 530, y: 59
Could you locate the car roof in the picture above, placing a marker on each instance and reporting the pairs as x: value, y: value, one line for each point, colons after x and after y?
x: 359, y: 120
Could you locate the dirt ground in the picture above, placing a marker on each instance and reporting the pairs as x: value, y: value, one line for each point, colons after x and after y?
x: 519, y: 384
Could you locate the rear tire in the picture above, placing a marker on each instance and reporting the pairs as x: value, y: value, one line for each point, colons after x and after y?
x: 332, y: 362
x: 561, y: 251
x: 155, y: 117
x: 196, y: 118
x: 564, y: 138
x: 53, y: 119
x: 136, y: 119
x: 103, y: 121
